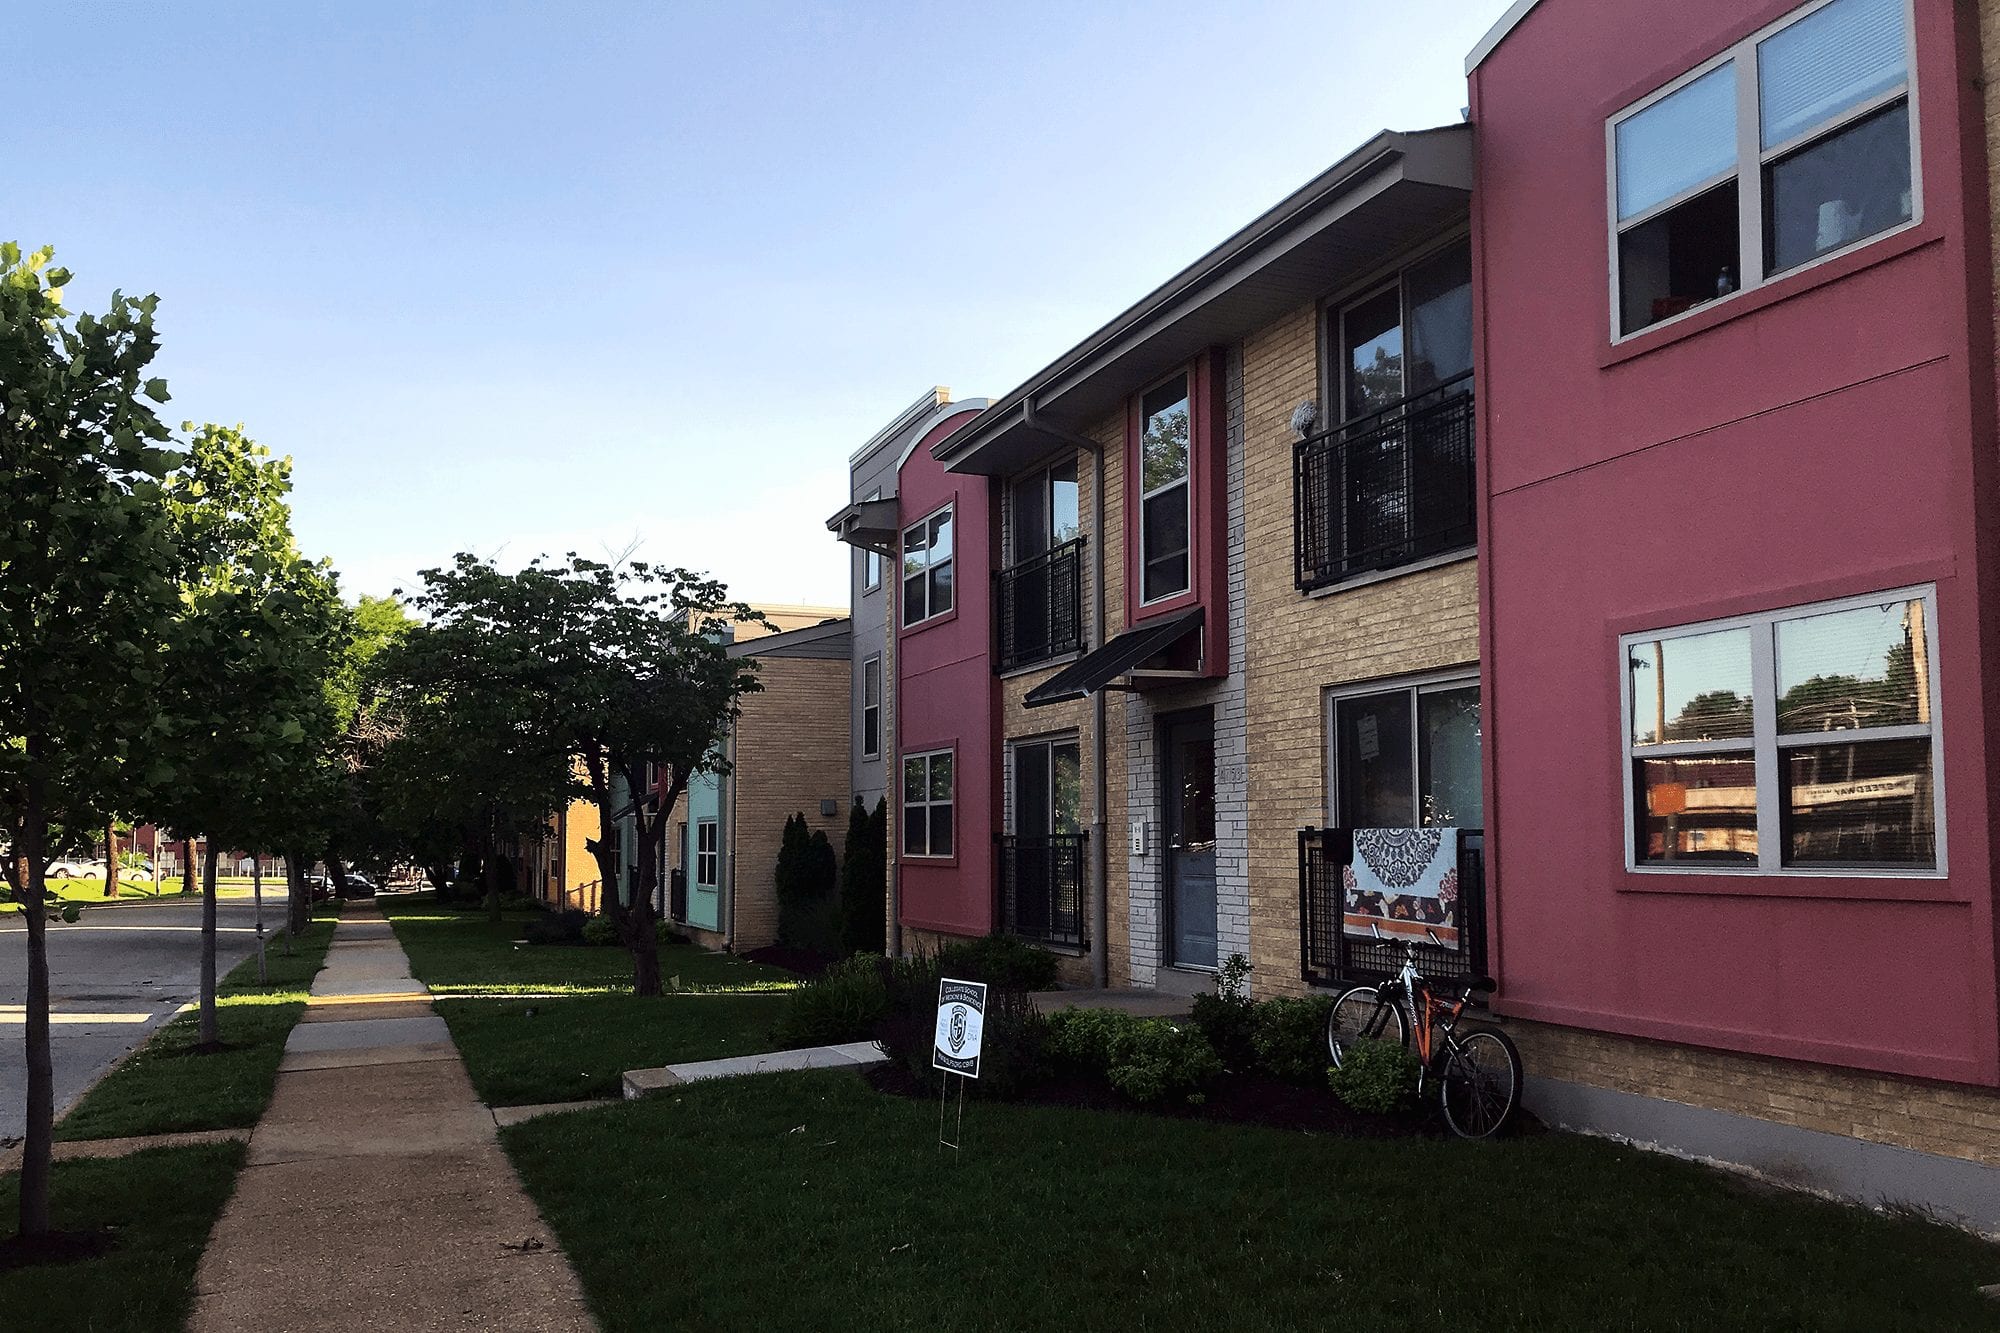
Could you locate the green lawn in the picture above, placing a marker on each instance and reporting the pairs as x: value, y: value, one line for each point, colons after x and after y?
x: 553, y: 1023
x: 161, y: 1202
x: 167, y: 1087
x: 672, y: 1208
x: 90, y: 892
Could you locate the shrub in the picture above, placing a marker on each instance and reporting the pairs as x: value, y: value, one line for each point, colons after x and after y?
x: 599, y: 931
x: 805, y: 880
x: 1376, y: 1076
x: 1146, y: 1059
x: 1227, y: 1018
x: 669, y: 934
x: 844, y: 1003
x: 1003, y: 962
x: 1013, y: 1046
x: 1290, y: 1038
x: 1153, y: 1060
x: 864, y: 879
x: 564, y: 927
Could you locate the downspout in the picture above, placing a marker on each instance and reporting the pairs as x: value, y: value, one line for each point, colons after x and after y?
x: 727, y: 811
x: 1100, y: 853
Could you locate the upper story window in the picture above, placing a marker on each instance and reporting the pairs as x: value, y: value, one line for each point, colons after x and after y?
x: 1038, y: 607
x: 871, y: 561
x: 1392, y: 481
x: 929, y: 796
x: 1792, y: 145
x: 1165, y: 459
x: 927, y: 568
x: 1042, y: 511
x: 871, y: 707
x: 1803, y: 739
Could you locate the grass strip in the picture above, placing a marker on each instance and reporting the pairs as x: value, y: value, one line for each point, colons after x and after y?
x: 167, y: 1086
x: 1083, y: 1220
x: 161, y: 1203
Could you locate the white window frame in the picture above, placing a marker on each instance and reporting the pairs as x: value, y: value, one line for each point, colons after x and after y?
x: 707, y: 831
x: 1430, y: 682
x: 871, y: 561
x: 904, y: 805
x: 1186, y: 378
x: 1765, y: 744
x: 1748, y: 171
x: 875, y: 708
x: 903, y: 583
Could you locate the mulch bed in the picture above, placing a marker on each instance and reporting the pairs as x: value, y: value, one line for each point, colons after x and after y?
x: 53, y: 1247
x: 1235, y: 1099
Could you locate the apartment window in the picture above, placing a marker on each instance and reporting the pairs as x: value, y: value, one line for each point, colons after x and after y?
x: 707, y: 855
x: 1043, y: 511
x: 871, y: 561
x: 1803, y: 739
x: 871, y: 707
x: 927, y: 568
x: 1048, y: 789
x: 1792, y: 145
x: 927, y: 804
x: 1406, y: 756
x: 1165, y: 439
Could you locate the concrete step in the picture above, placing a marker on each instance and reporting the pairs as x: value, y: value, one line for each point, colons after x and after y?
x: 853, y: 1055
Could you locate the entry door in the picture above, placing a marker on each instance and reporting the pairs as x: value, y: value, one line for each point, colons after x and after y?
x: 1188, y: 798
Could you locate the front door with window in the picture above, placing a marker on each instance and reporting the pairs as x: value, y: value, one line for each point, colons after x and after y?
x: 1187, y: 797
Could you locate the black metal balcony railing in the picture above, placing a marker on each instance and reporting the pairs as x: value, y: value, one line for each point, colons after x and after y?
x: 1039, y: 607
x: 1387, y: 489
x: 1041, y: 888
x: 1329, y: 956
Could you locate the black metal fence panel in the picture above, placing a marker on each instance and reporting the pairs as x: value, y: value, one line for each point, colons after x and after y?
x: 1041, y: 888
x: 1330, y: 956
x: 1038, y: 607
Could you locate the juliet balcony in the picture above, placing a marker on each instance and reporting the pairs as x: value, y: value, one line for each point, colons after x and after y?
x: 1038, y: 608
x: 1041, y: 888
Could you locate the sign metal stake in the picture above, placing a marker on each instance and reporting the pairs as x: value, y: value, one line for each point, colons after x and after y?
x: 955, y: 1048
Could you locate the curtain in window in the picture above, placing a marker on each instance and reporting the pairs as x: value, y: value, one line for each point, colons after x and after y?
x: 1678, y: 142
x: 1822, y: 65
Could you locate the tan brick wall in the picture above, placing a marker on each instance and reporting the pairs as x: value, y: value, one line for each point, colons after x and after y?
x: 1299, y: 646
x: 1944, y: 1118
x: 791, y: 753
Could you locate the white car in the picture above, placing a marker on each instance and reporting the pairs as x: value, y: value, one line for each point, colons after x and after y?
x: 75, y: 868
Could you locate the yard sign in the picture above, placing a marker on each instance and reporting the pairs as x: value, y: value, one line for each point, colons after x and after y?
x: 961, y: 1020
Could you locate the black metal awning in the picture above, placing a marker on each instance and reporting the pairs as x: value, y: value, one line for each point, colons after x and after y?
x: 869, y: 524
x: 1093, y: 671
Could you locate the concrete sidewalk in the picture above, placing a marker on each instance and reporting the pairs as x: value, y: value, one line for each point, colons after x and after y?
x: 376, y: 1194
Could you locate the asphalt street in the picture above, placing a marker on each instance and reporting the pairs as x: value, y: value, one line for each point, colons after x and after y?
x: 116, y: 974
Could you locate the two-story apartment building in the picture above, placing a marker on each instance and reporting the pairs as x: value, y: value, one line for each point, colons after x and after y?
x: 1738, y: 580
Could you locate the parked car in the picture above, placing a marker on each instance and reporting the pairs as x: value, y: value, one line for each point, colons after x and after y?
x: 69, y: 867
x: 360, y: 885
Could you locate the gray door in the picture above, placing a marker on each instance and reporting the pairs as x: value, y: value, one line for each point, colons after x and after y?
x: 1188, y: 798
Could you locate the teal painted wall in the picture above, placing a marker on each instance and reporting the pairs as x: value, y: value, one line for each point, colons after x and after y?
x: 704, y: 802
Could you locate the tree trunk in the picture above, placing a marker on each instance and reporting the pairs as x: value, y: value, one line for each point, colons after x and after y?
x: 35, y: 1152
x: 187, y: 865
x: 336, y: 871
x: 298, y: 908
x: 111, y: 858
x: 211, y: 1031
x: 491, y: 870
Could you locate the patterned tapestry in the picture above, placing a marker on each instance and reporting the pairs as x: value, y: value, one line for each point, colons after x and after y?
x: 1403, y: 882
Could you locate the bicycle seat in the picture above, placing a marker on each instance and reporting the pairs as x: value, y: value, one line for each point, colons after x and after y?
x: 1478, y: 985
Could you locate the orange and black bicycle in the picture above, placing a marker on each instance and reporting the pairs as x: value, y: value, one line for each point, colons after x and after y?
x: 1476, y: 1068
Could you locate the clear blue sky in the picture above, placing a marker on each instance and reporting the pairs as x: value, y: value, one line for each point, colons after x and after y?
x: 514, y: 277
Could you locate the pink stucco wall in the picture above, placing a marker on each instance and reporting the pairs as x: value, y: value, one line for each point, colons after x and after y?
x: 1831, y: 434
x: 946, y: 697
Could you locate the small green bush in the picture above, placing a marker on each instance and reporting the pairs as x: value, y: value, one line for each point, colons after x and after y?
x: 564, y: 927
x: 844, y: 1003
x: 1003, y: 962
x: 1081, y: 1039
x: 1290, y: 1038
x: 1227, y: 1018
x: 669, y: 935
x: 1146, y: 1059
x: 599, y: 931
x: 1375, y: 1076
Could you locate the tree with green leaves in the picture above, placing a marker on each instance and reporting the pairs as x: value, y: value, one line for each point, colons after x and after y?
x: 260, y: 631
x: 626, y: 668
x: 864, y: 880
x: 85, y: 556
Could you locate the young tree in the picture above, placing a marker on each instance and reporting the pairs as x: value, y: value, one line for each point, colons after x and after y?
x: 626, y: 669
x: 864, y: 880
x: 259, y: 633
x: 83, y: 552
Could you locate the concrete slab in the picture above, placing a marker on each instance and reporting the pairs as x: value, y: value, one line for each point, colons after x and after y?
x: 640, y: 1082
x: 367, y: 1056
x: 384, y: 988
x: 359, y: 1032
x: 388, y: 1135
x: 334, y: 1009
x: 312, y: 1096
x: 514, y: 1115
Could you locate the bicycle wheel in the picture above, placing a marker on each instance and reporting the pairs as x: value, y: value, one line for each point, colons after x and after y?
x: 1361, y: 1014
x: 1481, y: 1083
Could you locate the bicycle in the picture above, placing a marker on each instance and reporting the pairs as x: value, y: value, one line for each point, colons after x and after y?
x: 1477, y: 1069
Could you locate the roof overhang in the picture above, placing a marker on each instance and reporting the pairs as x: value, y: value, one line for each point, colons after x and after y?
x: 1123, y: 656
x: 1498, y: 33
x: 1392, y: 191
x: 869, y: 524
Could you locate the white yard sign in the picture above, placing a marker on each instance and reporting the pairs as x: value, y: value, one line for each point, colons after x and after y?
x: 961, y: 1020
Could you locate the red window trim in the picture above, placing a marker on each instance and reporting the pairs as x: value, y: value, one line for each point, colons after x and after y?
x: 1208, y: 507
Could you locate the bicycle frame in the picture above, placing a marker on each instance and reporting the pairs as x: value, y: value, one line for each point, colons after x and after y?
x: 1435, y: 1015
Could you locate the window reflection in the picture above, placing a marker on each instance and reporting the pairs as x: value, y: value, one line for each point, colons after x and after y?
x: 1692, y: 688
x: 1868, y: 667
x: 1860, y: 803
x: 1696, y: 808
